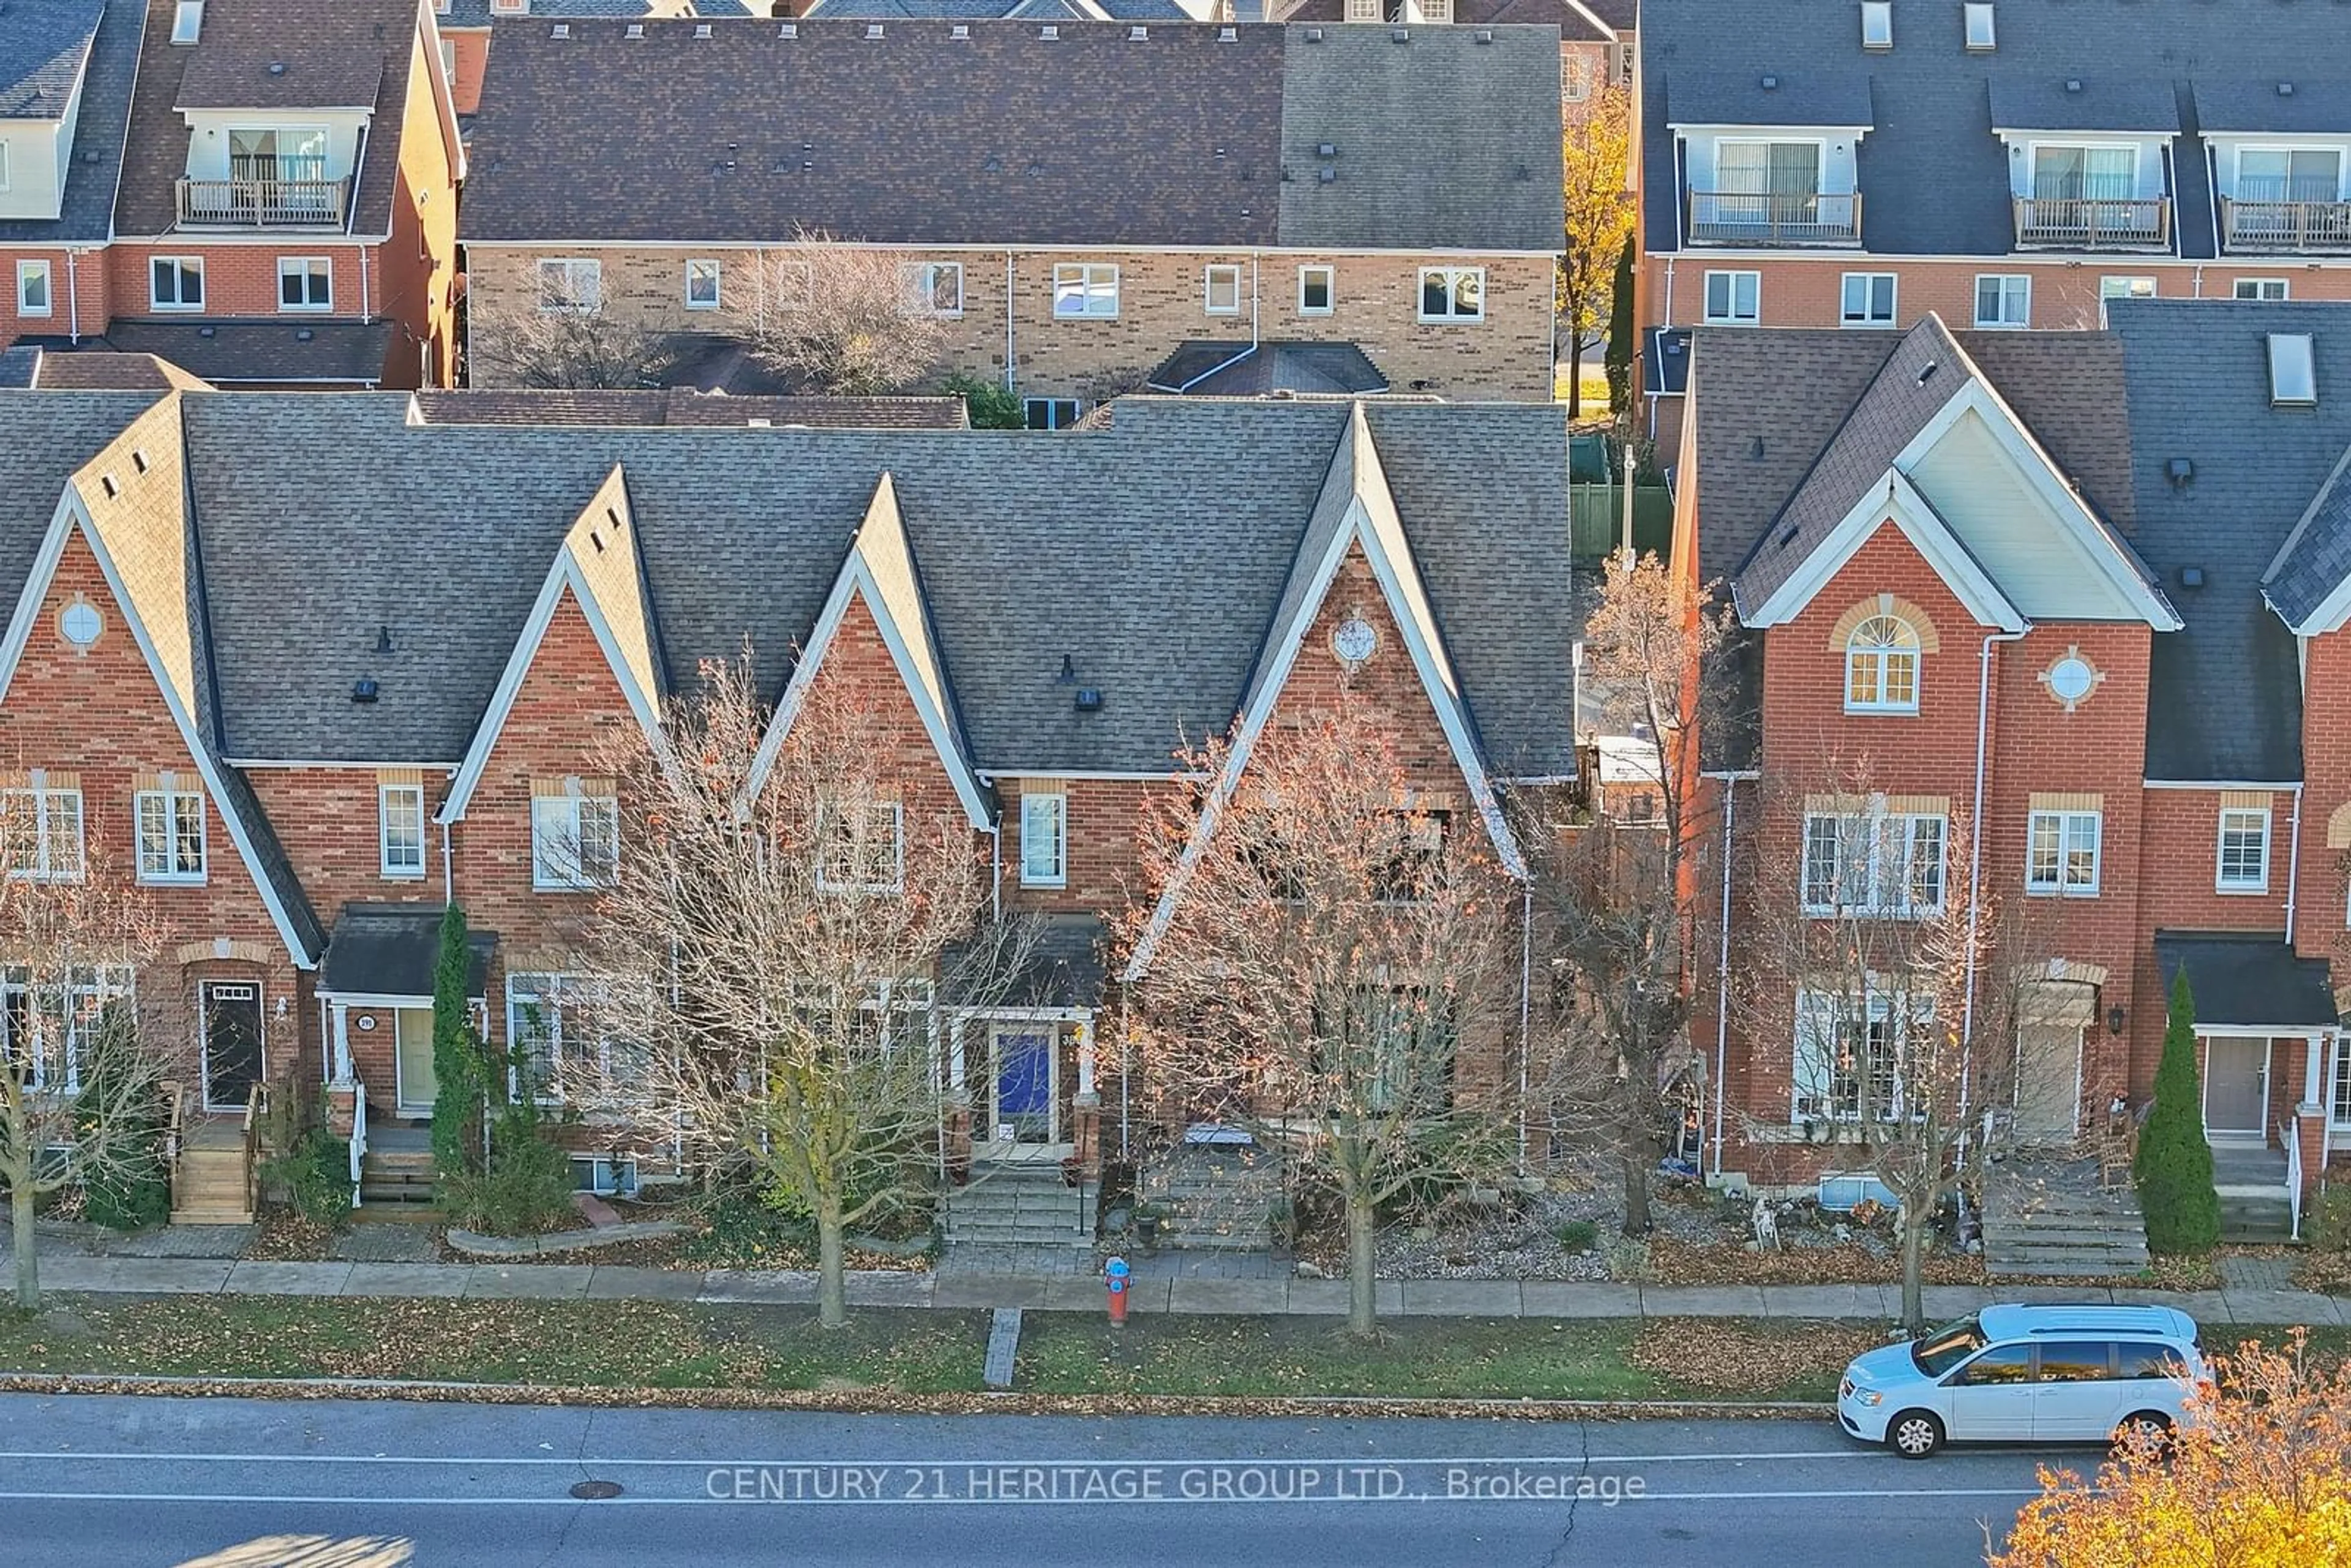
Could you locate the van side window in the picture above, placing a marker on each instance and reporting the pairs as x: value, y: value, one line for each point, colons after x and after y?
x: 2001, y: 1364
x: 2141, y: 1360
x: 2077, y: 1360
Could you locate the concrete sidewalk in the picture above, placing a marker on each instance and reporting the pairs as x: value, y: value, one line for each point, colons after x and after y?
x: 1409, y: 1298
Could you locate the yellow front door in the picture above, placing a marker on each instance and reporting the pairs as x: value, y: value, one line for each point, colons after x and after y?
x: 417, y: 1085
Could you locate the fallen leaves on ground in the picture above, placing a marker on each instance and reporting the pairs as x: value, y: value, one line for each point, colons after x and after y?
x: 1734, y: 1357
x: 285, y: 1237
x: 1673, y: 1261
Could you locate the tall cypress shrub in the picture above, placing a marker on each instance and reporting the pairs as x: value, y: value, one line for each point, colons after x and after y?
x: 459, y: 1068
x: 2175, y: 1161
x: 1622, y: 337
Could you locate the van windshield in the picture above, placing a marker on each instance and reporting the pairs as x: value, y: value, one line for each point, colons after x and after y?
x: 1948, y: 1346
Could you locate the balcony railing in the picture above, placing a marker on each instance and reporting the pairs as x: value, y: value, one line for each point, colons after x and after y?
x: 1774, y: 218
x: 2093, y: 223
x: 2273, y: 226
x: 262, y: 203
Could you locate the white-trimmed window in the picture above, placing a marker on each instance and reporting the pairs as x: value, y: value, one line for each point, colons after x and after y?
x: 1850, y: 1050
x: 176, y: 282
x: 41, y: 825
x: 400, y: 830
x: 1982, y: 35
x: 2125, y: 288
x: 1044, y: 840
x: 171, y: 834
x: 1574, y: 76
x: 2061, y: 853
x: 1877, y: 24
x: 1220, y: 287
x: 937, y: 286
x: 3, y: 165
x: 1874, y: 863
x: 702, y: 284
x: 1881, y: 666
x: 2003, y: 299
x: 570, y: 285
x: 2244, y: 852
x: 1868, y: 299
x: 1453, y: 294
x: 1734, y: 299
x: 1318, y: 289
x: 449, y: 61
x: 2339, y: 1100
x: 304, y: 282
x: 33, y: 295
x: 2289, y: 174
x: 1050, y: 413
x: 575, y: 842
x: 548, y: 1025
x: 1085, y: 290
x: 2272, y: 290
x: 860, y: 847
x: 47, y: 1031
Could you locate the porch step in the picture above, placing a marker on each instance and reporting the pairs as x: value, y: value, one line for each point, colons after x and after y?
x: 1018, y: 1205
x: 2050, y: 1217
x: 209, y: 1187
x: 1218, y: 1197
x: 2256, y: 1218
x: 402, y: 1176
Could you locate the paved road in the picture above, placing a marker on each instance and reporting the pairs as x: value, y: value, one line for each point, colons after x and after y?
x: 129, y: 1483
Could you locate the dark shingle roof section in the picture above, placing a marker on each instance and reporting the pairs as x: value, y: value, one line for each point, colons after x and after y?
x: 390, y: 950
x: 2319, y: 108
x: 2247, y: 978
x: 63, y: 368
x: 87, y: 212
x: 43, y: 47
x: 20, y: 365
x: 684, y: 406
x: 1006, y: 137
x: 44, y: 438
x: 352, y: 52
x: 996, y: 10
x: 281, y: 349
x: 1168, y: 558
x: 2224, y: 697
x: 1808, y: 95
x: 2316, y: 556
x: 1576, y: 24
x: 1206, y: 368
x: 1934, y: 179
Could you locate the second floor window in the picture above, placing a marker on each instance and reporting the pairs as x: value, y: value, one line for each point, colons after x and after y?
x: 1317, y: 287
x: 176, y: 282
x: 2063, y: 174
x: 1084, y: 289
x: 171, y: 834
x: 2269, y: 288
x: 860, y: 847
x: 937, y: 287
x: 1453, y: 294
x: 1868, y: 299
x: 1881, y: 666
x: 1781, y: 180
x: 1222, y: 285
x: 570, y: 285
x: 2061, y: 853
x: 401, y: 830
x: 33, y: 288
x: 304, y: 282
x: 2004, y: 299
x: 2290, y: 175
x: 1044, y: 840
x: 702, y: 285
x: 1873, y: 862
x: 574, y: 841
x: 2244, y: 857
x: 1734, y: 299
x: 41, y: 825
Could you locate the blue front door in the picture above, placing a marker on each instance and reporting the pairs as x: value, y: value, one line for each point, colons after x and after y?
x: 1024, y: 1084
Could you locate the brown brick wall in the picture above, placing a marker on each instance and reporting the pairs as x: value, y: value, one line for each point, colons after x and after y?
x: 78, y: 293
x: 1161, y: 304
x: 418, y: 265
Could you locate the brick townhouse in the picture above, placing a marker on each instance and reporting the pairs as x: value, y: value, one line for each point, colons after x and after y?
x: 312, y: 666
x: 1080, y: 200
x: 262, y: 192
x: 1826, y: 164
x: 2086, y: 592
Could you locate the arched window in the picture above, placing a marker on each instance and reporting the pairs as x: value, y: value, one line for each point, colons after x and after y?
x: 1881, y: 666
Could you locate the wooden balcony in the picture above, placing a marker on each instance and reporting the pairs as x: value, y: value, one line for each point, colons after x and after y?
x: 2080, y: 223
x: 2286, y: 227
x: 262, y: 203
x: 1774, y: 218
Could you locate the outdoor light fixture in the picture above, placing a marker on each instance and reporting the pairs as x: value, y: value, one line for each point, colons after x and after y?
x: 2115, y: 1019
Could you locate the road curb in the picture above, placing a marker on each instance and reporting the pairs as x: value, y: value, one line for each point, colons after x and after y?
x: 866, y: 1401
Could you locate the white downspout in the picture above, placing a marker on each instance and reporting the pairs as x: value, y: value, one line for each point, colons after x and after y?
x: 1255, y: 259
x: 2292, y: 862
x: 73, y: 299
x: 448, y: 873
x: 1010, y: 385
x: 365, y: 313
x: 1975, y: 873
x: 996, y: 870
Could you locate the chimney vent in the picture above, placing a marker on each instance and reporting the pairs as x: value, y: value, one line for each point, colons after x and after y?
x: 1229, y: 35
x: 1313, y: 34
x: 960, y: 30
x: 873, y: 29
x: 702, y: 30
x: 1137, y: 35
x: 1771, y: 84
x: 789, y: 30
x: 635, y: 30
x: 561, y: 30
x: 1400, y: 34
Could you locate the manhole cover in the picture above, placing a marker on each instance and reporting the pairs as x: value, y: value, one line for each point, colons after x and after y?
x: 596, y: 1491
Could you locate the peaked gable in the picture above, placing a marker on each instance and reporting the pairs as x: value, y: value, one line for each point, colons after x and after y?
x: 879, y: 573
x: 599, y: 568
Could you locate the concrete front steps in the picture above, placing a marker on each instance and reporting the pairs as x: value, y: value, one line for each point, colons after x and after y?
x: 2049, y: 1219
x: 1012, y: 1204
x: 2256, y: 1208
x: 1218, y: 1196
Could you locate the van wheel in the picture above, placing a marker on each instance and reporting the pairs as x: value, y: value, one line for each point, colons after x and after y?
x: 2155, y: 1424
x: 1914, y: 1434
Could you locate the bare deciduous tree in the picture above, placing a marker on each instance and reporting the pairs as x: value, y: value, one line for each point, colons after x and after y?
x: 576, y: 349
x: 1337, y: 949
x: 778, y: 953
x: 1624, y: 900
x: 1907, y: 999
x: 848, y: 321
x: 81, y: 1070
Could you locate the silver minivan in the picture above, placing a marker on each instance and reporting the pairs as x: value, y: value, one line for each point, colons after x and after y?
x: 2016, y: 1374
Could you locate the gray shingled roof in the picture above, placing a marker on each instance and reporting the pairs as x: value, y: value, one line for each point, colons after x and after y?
x: 45, y: 437
x: 2321, y: 107
x: 1005, y: 137
x: 992, y: 10
x: 280, y: 349
x: 2247, y: 978
x: 1812, y: 95
x: 20, y: 365
x: 684, y: 406
x: 1934, y: 179
x: 42, y: 50
x: 2084, y: 103
x: 1166, y: 561
x: 1208, y: 368
x: 87, y: 212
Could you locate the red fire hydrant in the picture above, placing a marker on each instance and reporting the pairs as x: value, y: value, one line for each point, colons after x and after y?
x: 1114, y: 1273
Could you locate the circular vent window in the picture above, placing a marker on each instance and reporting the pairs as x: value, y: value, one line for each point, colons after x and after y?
x: 80, y: 624
x: 2071, y: 678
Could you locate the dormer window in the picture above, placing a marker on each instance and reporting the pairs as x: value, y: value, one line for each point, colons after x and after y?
x: 187, y: 21
x: 1981, y: 40
x: 1877, y: 25
x: 1881, y: 666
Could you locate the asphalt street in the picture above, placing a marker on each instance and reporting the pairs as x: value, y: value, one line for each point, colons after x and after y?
x: 134, y: 1482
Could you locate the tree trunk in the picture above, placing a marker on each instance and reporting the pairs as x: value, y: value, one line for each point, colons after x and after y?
x: 1363, y: 1263
x: 1574, y: 374
x: 20, y: 1222
x: 1636, y: 1186
x: 832, y: 1283
x: 1914, y: 1267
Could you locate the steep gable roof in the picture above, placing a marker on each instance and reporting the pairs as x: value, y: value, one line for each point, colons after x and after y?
x: 43, y: 51
x: 87, y: 211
